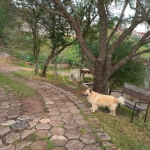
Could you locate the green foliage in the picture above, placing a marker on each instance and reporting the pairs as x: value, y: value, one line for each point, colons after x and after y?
x: 132, y: 71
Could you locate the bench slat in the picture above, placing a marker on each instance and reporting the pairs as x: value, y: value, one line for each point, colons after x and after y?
x: 131, y: 105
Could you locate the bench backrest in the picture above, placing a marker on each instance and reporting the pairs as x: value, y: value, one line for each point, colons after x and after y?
x: 136, y: 92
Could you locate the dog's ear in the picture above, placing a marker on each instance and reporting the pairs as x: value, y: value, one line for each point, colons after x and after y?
x: 90, y: 90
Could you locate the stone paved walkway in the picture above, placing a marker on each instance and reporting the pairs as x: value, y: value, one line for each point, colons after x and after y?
x: 62, y: 124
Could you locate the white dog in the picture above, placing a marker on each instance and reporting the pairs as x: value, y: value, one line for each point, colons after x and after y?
x: 99, y: 100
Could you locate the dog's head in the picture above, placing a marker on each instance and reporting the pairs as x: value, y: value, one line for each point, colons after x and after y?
x: 87, y: 92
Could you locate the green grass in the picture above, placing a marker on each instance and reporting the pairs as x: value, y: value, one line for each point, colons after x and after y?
x: 18, y: 88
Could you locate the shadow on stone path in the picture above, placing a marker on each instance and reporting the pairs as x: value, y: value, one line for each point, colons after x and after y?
x: 62, y: 123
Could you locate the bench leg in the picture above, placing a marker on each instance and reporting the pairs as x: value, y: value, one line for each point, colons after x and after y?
x: 146, y: 113
x: 132, y: 116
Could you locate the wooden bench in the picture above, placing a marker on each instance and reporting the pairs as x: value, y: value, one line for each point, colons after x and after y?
x: 142, y: 95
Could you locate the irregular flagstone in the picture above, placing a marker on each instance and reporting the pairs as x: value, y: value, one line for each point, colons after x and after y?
x: 4, y: 130
x: 20, y: 125
x: 43, y: 126
x: 58, y: 140
x: 23, y: 117
x: 68, y: 119
x: 42, y: 134
x: 12, y: 116
x: 65, y: 114
x: 73, y: 134
x: 39, y: 145
x: 59, y: 148
x: 45, y: 120
x: 10, y: 138
x: 25, y: 133
x: 88, y: 138
x: 70, y: 125
x: 104, y: 136
x: 56, y: 123
x: 23, y: 144
x: 74, y: 145
x: 55, y: 117
x: 80, y: 122
x: 32, y: 124
x: 92, y: 147
x: 9, y: 147
x: 3, y: 114
x: 86, y: 128
x: 57, y: 131
x: 7, y: 123
x: 1, y: 142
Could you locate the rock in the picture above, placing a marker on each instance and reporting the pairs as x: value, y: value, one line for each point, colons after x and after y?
x: 57, y: 131
x: 74, y: 145
x: 43, y: 126
x: 104, y: 136
x: 4, y: 130
x: 73, y: 134
x: 23, y: 144
x: 26, y: 133
x: 45, y: 120
x: 20, y: 125
x: 1, y: 142
x: 92, y: 147
x: 58, y: 140
x: 39, y: 145
x: 9, y: 147
x: 42, y: 134
x: 23, y: 117
x: 88, y: 138
x: 10, y: 138
x: 8, y: 123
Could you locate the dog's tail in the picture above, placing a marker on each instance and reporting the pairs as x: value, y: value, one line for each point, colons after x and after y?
x: 121, y: 100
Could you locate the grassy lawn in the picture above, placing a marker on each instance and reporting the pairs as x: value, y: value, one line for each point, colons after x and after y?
x: 125, y: 135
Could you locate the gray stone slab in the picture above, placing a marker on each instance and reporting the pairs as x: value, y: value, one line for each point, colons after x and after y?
x: 80, y: 122
x: 57, y: 131
x: 23, y: 117
x: 58, y: 140
x: 1, y: 142
x: 65, y: 114
x: 73, y: 133
x: 56, y: 123
x: 26, y: 133
x: 9, y: 147
x: 55, y: 118
x: 74, y: 145
x: 92, y: 147
x: 4, y: 130
x: 8, y: 123
x: 45, y: 120
x: 10, y: 138
x: 104, y: 136
x: 88, y: 138
x: 43, y: 126
x: 68, y: 119
x: 42, y: 134
x: 23, y: 144
x: 70, y: 125
x: 39, y: 145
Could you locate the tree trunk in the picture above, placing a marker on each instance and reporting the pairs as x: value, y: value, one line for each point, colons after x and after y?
x: 49, y: 58
x: 100, y: 78
x: 36, y: 65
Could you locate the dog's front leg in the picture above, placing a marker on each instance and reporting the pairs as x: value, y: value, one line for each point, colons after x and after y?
x: 94, y: 107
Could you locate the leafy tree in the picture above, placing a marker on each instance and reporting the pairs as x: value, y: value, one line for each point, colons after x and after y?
x: 100, y: 13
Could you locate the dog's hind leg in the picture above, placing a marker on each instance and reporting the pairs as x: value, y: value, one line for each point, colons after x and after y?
x: 113, y: 110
